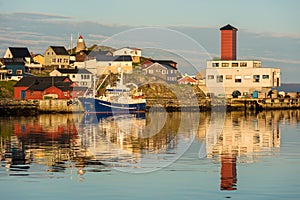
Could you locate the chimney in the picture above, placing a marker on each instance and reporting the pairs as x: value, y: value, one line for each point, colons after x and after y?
x: 228, y: 42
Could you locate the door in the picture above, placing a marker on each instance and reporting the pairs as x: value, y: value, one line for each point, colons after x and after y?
x: 23, y: 94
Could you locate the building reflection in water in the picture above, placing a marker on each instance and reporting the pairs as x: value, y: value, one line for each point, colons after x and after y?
x: 87, y: 142
x: 244, y: 138
x: 48, y: 140
x: 139, y: 143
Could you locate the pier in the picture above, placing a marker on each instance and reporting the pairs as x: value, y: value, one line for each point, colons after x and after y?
x: 34, y: 107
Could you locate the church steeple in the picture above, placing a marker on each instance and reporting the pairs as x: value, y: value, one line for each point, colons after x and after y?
x: 80, y: 44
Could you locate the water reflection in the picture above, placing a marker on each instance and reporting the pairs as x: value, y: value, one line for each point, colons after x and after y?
x: 139, y: 143
x: 244, y: 139
x: 91, y: 143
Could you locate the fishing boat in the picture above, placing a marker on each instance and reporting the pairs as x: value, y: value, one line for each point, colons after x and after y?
x: 119, y: 99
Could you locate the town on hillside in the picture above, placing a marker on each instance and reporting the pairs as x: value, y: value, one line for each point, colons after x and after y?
x: 60, y: 73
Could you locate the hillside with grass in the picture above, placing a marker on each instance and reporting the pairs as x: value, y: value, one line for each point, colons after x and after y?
x: 7, y: 89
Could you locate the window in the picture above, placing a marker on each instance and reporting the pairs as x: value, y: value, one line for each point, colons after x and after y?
x: 265, y: 76
x: 53, y: 60
x: 256, y: 64
x: 9, y: 71
x: 247, y: 77
x: 256, y: 78
x: 163, y: 71
x: 48, y: 53
x: 73, y: 76
x: 220, y: 79
x: 19, y: 72
x: 234, y: 64
x: 65, y: 60
x: 238, y: 79
x: 31, y: 93
x: 225, y: 64
x: 65, y: 94
x: 210, y: 77
x: 215, y: 64
x: 228, y: 76
x: 243, y: 64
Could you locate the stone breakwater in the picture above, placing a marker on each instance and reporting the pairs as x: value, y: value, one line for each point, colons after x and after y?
x: 34, y: 107
x: 18, y: 107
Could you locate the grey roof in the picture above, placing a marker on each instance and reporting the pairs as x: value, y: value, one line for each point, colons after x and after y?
x: 167, y: 66
x: 165, y: 62
x: 13, y: 61
x: 113, y: 58
x: 19, y: 52
x: 59, y: 50
x: 96, y: 53
x: 28, y: 81
x: 228, y: 27
x: 74, y: 71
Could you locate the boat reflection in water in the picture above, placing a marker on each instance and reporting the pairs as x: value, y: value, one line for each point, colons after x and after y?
x: 138, y: 142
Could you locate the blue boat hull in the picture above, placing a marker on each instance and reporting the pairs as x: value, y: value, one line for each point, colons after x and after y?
x: 92, y: 105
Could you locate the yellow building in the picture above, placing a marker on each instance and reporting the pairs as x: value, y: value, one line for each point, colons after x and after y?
x: 39, y: 59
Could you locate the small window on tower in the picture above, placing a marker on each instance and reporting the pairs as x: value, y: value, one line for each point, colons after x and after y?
x: 225, y: 64
x: 215, y: 64
x: 243, y: 64
x: 235, y: 64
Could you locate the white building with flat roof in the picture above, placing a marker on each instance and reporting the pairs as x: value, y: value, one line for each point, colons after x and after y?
x: 223, y: 77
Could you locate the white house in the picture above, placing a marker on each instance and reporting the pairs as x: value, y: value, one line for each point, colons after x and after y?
x: 225, y: 76
x: 135, y: 53
x: 82, y: 77
x: 103, y: 64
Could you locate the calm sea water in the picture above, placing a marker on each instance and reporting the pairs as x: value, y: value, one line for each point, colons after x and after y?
x: 154, y: 156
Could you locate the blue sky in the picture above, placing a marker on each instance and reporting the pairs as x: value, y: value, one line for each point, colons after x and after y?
x: 268, y: 30
x: 255, y: 15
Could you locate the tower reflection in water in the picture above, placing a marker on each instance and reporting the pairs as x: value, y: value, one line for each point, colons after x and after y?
x: 244, y: 139
x: 55, y: 142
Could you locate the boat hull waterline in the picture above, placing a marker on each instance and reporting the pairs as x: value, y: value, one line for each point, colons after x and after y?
x: 94, y: 105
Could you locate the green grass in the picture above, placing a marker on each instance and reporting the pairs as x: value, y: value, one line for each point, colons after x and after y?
x: 7, y: 89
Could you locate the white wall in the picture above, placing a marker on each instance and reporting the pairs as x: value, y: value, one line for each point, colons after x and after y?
x: 127, y: 51
x: 247, y: 84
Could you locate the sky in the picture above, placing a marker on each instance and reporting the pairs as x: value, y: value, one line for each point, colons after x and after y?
x: 268, y: 30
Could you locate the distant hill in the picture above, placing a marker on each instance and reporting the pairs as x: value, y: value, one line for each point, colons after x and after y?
x: 102, y: 48
x: 289, y: 87
x: 96, y: 48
